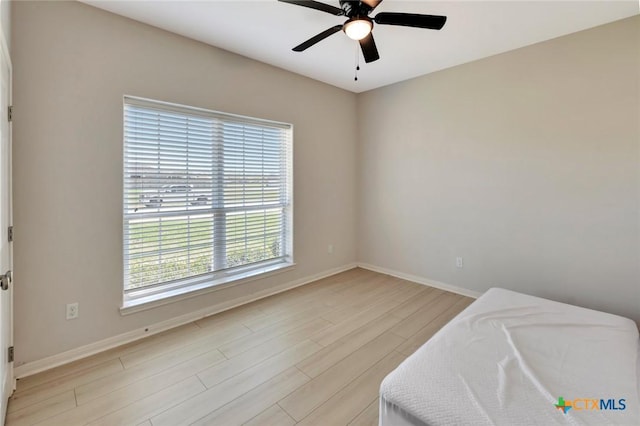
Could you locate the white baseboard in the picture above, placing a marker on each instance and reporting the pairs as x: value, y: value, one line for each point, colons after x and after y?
x: 420, y: 280
x: 66, y: 357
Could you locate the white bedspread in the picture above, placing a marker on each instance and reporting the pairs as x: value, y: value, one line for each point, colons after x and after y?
x: 506, y: 360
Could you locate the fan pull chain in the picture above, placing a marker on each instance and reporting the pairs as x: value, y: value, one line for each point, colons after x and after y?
x: 357, y: 61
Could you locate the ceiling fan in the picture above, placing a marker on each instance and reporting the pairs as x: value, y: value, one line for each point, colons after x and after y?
x: 359, y: 25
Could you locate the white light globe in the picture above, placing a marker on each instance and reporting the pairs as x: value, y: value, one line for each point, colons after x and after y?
x: 358, y: 29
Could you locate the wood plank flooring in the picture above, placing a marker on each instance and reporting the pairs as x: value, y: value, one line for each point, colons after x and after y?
x: 314, y: 355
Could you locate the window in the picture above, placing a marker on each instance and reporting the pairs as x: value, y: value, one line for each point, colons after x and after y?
x: 207, y: 197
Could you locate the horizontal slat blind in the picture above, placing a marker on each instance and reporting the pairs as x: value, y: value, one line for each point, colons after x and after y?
x: 203, y: 192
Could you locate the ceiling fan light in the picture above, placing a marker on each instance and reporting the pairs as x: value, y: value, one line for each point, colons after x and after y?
x: 358, y: 28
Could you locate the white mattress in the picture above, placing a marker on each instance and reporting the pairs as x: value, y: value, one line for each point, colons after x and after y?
x: 508, y: 357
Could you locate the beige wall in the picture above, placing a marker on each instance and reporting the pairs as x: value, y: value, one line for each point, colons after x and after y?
x: 527, y: 164
x: 72, y: 65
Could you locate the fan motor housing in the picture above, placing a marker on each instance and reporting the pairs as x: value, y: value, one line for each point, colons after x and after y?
x: 355, y: 8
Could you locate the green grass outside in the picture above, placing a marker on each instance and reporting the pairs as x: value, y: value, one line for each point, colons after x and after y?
x: 180, y: 233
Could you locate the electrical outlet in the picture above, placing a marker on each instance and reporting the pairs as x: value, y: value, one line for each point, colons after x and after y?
x: 459, y: 263
x: 72, y: 310
x: 330, y: 249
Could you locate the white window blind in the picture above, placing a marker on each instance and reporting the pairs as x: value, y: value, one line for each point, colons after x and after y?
x: 205, y: 194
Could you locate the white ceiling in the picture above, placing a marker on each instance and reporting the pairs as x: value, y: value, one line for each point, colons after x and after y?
x: 266, y: 30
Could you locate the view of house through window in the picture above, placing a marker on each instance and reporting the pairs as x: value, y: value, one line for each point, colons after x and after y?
x: 205, y: 194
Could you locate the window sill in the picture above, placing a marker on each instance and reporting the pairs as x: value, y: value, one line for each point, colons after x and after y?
x: 133, y: 305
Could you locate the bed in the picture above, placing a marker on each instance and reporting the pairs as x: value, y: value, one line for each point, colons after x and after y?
x: 509, y: 357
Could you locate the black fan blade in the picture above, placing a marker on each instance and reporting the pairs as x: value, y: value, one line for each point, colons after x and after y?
x: 316, y: 5
x: 432, y: 22
x: 313, y: 40
x: 369, y: 49
x: 372, y: 3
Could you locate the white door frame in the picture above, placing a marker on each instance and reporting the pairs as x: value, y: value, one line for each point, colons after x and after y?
x: 4, y: 51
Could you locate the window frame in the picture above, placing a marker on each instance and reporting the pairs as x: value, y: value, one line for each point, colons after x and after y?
x: 152, y: 295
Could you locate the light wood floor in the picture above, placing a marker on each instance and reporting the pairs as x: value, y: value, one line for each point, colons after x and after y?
x: 312, y: 355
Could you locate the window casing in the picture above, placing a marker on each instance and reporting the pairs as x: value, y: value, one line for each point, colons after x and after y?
x: 207, y: 196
